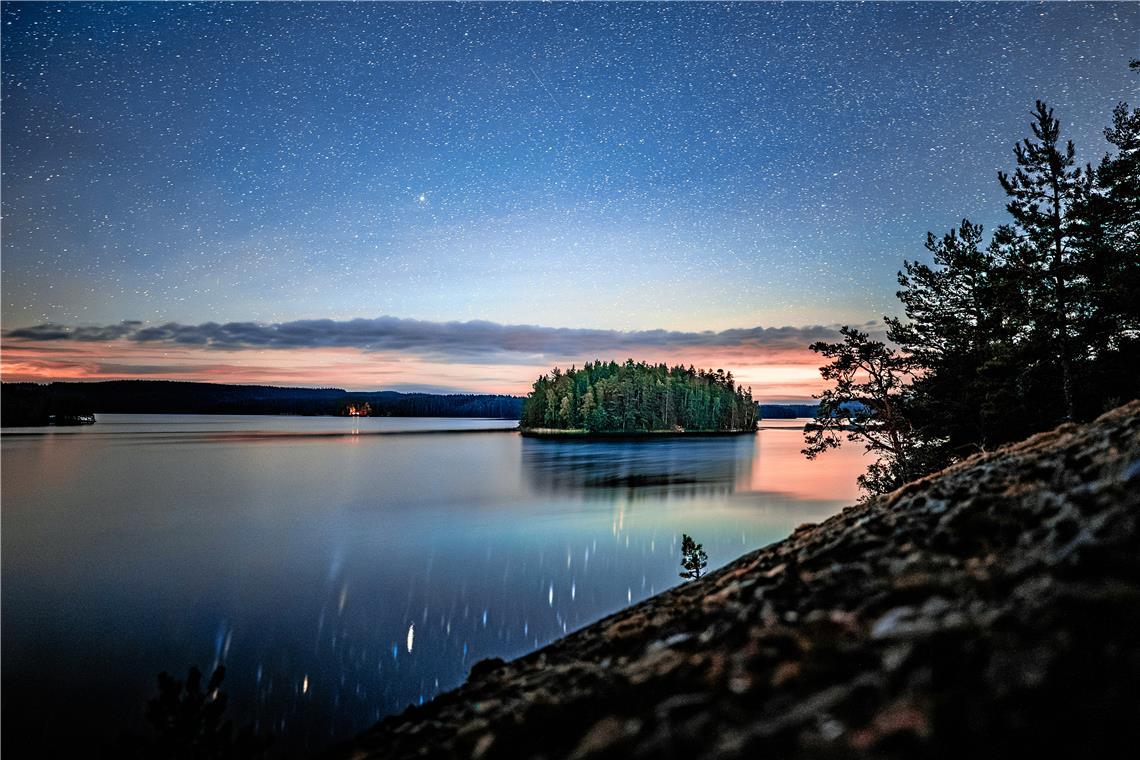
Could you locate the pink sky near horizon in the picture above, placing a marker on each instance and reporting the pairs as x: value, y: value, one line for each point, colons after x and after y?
x: 774, y: 374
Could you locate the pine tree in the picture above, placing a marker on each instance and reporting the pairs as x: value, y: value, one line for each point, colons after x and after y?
x: 956, y: 330
x: 693, y: 558
x: 1042, y: 190
x: 868, y: 402
x: 1109, y: 233
x: 996, y: 339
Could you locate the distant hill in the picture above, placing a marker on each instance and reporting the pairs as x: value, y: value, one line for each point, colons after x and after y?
x: 34, y: 404
x: 786, y: 411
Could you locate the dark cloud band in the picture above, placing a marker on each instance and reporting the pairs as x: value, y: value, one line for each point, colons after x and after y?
x: 455, y: 340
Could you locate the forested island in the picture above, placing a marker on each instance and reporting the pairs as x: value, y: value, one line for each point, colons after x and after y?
x: 606, y: 398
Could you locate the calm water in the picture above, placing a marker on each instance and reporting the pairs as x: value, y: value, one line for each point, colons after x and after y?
x: 342, y: 569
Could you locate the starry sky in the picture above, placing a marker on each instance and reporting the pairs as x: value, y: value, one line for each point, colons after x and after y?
x: 454, y: 197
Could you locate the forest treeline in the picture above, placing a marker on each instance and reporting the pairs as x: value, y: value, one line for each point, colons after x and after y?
x: 607, y: 397
x: 1004, y: 336
x: 35, y: 404
x: 787, y: 411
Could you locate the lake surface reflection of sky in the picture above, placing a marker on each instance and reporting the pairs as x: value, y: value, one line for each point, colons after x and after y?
x: 342, y: 569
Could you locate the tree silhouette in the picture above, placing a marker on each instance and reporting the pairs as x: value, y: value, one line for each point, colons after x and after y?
x: 1001, y: 340
x: 868, y: 402
x: 1042, y: 190
x: 693, y: 557
x: 190, y: 723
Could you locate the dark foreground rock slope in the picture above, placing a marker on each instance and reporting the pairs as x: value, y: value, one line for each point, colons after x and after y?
x: 991, y: 610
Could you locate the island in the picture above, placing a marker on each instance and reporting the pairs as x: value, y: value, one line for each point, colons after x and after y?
x: 633, y: 399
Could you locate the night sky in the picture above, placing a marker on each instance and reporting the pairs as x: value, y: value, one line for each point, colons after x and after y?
x: 588, y: 169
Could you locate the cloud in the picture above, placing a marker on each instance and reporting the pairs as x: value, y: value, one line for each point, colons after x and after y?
x: 405, y: 354
x: 88, y: 334
x: 437, y: 340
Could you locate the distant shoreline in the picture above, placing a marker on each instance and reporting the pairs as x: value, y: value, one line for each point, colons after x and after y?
x: 31, y: 404
x: 34, y: 404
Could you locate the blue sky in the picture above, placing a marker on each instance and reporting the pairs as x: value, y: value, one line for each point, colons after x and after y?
x: 621, y: 167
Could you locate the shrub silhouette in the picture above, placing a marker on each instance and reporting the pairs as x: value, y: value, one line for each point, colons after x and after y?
x: 190, y: 723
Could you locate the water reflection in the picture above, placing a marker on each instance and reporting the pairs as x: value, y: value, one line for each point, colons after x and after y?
x: 606, y: 469
x: 342, y: 578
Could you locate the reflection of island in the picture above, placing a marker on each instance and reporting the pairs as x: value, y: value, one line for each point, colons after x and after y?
x: 706, y: 466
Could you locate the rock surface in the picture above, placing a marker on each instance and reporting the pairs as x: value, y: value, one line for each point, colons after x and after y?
x: 990, y: 610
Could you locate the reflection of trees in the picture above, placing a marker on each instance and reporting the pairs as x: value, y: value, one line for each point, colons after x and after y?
x: 636, y: 469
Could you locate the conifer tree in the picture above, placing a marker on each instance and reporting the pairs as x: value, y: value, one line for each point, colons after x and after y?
x: 693, y: 558
x: 1042, y: 191
x: 868, y: 403
x: 1002, y: 340
x: 1109, y: 234
x: 957, y: 331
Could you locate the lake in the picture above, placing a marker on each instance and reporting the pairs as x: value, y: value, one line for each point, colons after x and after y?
x: 343, y: 568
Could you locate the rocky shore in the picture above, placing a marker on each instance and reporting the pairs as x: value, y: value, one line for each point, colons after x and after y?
x: 991, y: 610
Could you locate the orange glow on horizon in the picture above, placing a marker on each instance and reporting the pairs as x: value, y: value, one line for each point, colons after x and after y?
x: 779, y: 375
